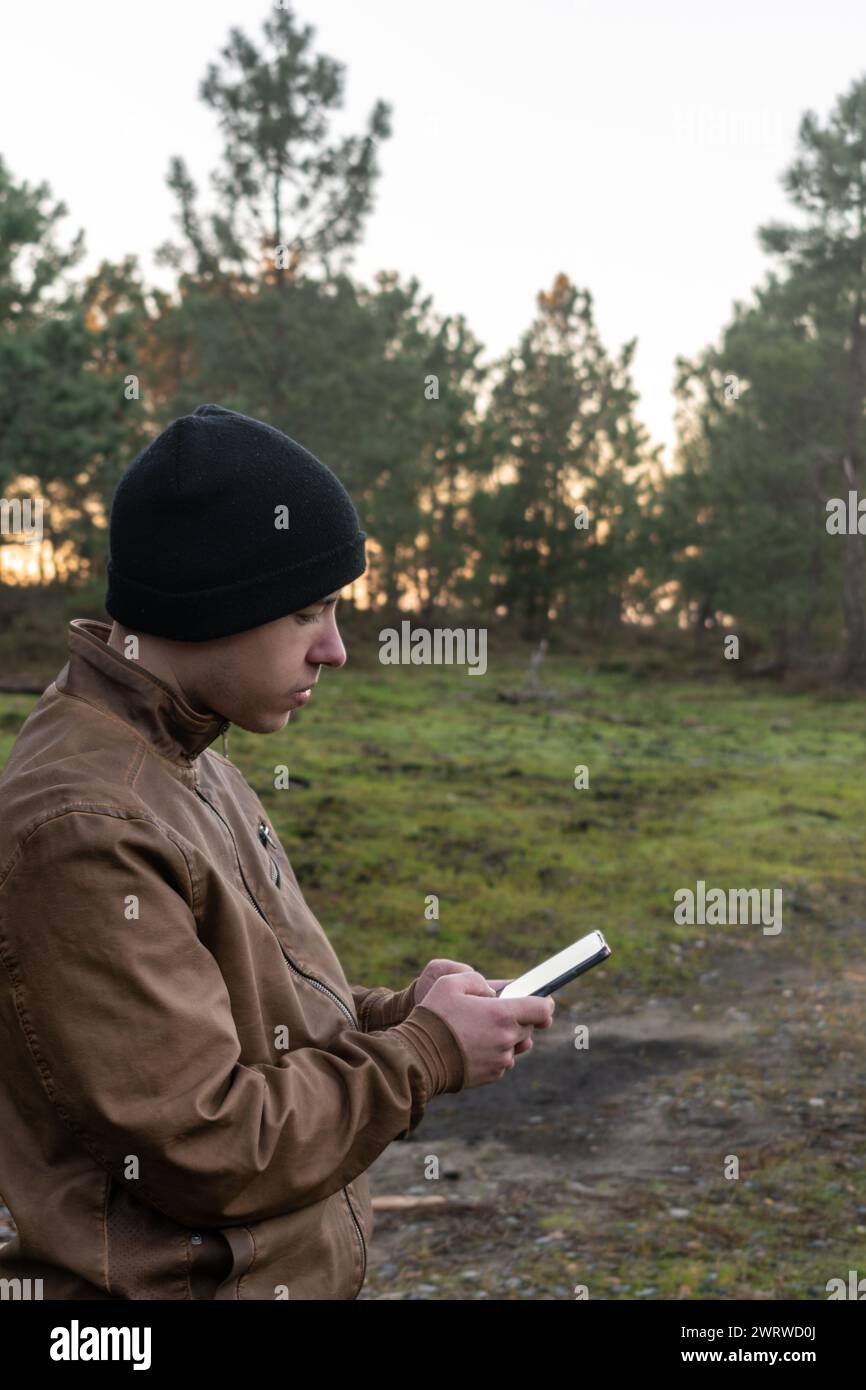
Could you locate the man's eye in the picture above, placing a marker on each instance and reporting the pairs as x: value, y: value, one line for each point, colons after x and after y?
x: 308, y: 618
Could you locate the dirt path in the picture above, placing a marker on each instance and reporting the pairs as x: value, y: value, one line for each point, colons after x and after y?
x: 605, y: 1167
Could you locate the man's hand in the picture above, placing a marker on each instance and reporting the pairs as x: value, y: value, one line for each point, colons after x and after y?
x: 431, y: 973
x: 435, y: 968
x: 491, y: 1032
x: 524, y: 1046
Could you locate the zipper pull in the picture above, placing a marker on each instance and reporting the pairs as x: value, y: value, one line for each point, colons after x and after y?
x: 265, y: 837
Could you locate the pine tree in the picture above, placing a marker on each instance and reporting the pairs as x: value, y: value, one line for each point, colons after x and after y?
x: 827, y: 182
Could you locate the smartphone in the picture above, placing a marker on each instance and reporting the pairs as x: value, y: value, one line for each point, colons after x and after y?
x: 566, y: 965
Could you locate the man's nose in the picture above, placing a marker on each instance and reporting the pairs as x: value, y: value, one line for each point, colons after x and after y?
x: 328, y: 650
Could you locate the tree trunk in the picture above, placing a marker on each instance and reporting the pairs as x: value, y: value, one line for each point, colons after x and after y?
x: 854, y: 598
x: 802, y: 648
x: 704, y: 615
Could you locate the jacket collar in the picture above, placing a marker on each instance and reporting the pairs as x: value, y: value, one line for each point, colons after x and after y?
x: 104, y: 677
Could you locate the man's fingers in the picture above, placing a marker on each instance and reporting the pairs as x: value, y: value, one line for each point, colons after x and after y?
x: 471, y: 982
x: 448, y: 967
x: 533, y: 1010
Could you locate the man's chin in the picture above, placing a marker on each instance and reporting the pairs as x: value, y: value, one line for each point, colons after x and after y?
x: 263, y: 724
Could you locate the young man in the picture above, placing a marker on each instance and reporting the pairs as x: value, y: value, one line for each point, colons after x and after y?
x: 191, y: 1090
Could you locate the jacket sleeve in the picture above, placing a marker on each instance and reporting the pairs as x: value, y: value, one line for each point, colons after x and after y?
x: 380, y: 1007
x: 129, y: 1025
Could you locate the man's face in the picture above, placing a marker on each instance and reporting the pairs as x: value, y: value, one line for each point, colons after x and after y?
x: 251, y: 678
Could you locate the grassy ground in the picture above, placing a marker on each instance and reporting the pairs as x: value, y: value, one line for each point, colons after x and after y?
x: 420, y: 781
x: 605, y: 1167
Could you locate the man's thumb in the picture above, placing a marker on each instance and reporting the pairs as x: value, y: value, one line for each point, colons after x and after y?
x: 473, y: 982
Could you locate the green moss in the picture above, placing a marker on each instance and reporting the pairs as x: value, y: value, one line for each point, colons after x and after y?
x: 416, y: 781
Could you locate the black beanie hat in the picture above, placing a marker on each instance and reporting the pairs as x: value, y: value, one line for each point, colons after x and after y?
x: 197, y: 546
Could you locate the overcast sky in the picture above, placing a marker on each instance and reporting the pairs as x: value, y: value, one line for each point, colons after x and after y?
x: 634, y: 146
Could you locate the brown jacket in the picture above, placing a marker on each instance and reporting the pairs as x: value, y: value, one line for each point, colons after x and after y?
x: 191, y: 1091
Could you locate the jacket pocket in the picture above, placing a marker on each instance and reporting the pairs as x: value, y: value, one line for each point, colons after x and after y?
x: 147, y: 1254
x: 314, y: 1253
x: 210, y: 1260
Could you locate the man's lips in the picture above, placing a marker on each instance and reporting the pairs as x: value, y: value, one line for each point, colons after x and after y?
x: 300, y: 697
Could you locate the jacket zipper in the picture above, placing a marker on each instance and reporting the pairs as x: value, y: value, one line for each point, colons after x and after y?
x: 361, y: 1239
x: 310, y: 978
x: 265, y: 837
